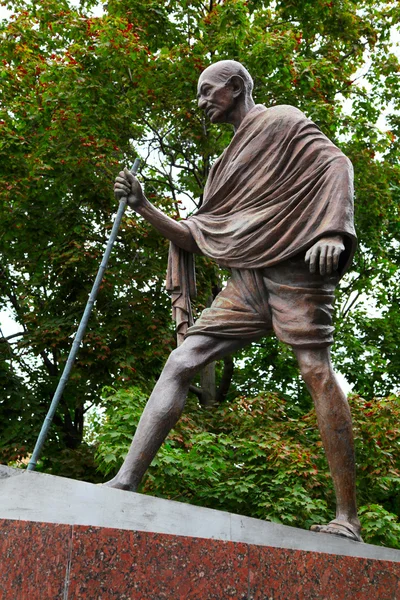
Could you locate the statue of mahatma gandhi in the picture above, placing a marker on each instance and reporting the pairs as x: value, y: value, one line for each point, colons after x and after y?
x: 278, y: 212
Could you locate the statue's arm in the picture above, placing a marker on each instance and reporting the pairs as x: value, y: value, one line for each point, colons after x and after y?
x: 127, y: 185
x: 324, y: 255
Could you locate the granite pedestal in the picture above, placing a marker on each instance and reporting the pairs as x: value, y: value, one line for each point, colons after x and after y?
x: 65, y: 539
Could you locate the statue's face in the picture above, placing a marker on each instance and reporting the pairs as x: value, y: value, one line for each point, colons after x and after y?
x: 215, y: 96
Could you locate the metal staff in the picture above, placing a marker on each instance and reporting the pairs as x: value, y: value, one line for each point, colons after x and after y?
x: 81, y: 330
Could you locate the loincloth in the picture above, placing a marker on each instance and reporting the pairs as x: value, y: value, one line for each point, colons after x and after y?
x: 285, y: 299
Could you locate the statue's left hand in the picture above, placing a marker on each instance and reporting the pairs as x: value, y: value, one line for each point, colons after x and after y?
x: 324, y: 255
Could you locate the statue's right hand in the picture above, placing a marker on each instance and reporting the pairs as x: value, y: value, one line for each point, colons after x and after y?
x: 127, y: 185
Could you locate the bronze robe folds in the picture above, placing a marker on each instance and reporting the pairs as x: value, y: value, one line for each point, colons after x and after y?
x: 280, y: 185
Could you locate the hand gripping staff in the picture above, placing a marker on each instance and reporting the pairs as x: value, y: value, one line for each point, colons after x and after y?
x: 81, y: 330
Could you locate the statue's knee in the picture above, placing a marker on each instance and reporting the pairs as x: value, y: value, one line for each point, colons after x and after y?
x: 313, y: 376
x: 169, y: 410
x: 182, y: 364
x: 315, y: 370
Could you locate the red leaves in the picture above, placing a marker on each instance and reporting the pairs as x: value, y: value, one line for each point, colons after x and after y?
x: 128, y: 28
x: 298, y: 39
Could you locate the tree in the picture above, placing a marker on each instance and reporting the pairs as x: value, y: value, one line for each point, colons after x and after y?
x: 60, y: 133
x: 81, y: 96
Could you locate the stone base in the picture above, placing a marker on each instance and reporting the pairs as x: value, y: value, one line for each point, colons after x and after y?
x: 65, y: 539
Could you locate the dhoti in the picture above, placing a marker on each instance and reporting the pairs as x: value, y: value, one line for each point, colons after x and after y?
x: 286, y: 299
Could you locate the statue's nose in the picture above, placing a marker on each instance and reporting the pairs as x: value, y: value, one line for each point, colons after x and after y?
x: 202, y: 103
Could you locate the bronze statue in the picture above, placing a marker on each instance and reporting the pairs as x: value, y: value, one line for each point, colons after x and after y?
x: 278, y: 211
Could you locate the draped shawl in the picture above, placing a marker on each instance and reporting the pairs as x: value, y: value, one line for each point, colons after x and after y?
x: 280, y: 185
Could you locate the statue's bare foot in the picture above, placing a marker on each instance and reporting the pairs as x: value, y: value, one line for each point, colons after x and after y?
x: 342, y: 528
x: 118, y: 484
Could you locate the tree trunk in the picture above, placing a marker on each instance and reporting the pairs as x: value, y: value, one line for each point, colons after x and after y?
x: 208, y: 394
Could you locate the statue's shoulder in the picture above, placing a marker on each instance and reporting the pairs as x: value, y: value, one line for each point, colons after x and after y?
x: 280, y: 116
x: 285, y: 112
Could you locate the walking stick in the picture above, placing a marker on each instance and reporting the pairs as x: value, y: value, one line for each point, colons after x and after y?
x: 80, y: 332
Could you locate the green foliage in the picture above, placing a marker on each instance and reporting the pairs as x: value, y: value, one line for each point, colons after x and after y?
x: 380, y: 526
x: 60, y: 129
x: 251, y: 456
x: 377, y: 437
x: 77, y: 463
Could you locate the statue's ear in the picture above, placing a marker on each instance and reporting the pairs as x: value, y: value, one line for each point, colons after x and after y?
x: 237, y: 84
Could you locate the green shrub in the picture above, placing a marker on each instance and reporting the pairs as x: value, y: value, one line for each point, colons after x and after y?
x: 253, y: 457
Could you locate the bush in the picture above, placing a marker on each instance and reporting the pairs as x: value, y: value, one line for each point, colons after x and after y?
x: 258, y: 458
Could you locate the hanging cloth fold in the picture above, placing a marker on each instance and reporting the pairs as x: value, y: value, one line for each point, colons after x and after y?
x: 278, y: 187
x: 181, y: 283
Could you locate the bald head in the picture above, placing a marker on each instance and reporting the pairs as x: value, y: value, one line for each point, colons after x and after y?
x: 224, y: 92
x: 223, y: 70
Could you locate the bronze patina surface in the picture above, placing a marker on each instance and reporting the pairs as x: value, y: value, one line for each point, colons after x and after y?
x: 278, y: 211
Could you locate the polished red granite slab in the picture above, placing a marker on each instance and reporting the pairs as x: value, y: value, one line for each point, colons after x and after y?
x: 34, y: 558
x: 115, y: 564
x: 280, y: 574
x: 44, y: 561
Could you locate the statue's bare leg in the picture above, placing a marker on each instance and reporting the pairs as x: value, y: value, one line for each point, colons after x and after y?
x: 335, y: 426
x: 166, y: 403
